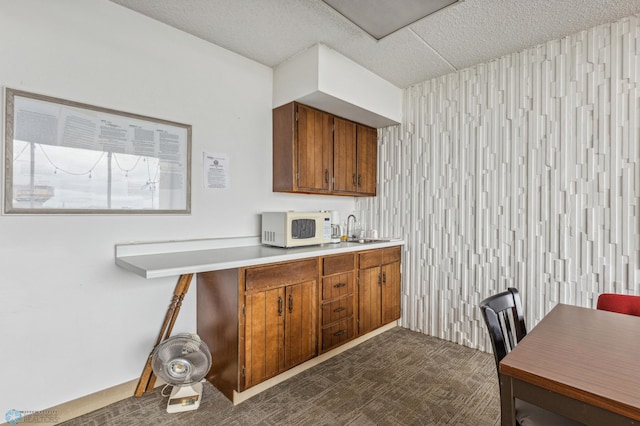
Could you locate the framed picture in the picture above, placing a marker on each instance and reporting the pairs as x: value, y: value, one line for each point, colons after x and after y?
x: 68, y: 157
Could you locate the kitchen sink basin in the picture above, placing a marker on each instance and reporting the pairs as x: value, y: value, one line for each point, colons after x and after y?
x: 369, y: 240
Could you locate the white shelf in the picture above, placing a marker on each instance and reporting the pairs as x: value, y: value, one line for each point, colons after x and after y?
x: 173, y: 258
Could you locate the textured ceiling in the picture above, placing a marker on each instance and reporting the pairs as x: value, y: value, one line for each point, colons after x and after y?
x: 380, y: 18
x: 464, y: 34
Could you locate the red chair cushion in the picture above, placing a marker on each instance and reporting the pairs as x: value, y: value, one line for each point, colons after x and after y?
x: 621, y: 303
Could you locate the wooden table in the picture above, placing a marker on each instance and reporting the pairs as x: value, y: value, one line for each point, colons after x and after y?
x: 578, y: 362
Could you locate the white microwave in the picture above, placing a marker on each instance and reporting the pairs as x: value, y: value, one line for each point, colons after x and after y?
x: 295, y: 229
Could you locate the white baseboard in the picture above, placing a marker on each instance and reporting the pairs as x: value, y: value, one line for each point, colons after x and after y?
x: 88, y: 403
x: 83, y: 405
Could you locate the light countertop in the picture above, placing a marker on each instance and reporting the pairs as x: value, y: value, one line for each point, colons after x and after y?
x: 173, y: 258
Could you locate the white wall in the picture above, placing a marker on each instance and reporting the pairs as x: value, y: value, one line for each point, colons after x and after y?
x: 73, y: 323
x: 523, y: 171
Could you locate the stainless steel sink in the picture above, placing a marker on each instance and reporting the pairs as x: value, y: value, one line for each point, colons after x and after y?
x: 369, y: 240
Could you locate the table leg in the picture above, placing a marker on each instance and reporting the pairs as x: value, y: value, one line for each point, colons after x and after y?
x: 507, y: 401
x: 147, y: 378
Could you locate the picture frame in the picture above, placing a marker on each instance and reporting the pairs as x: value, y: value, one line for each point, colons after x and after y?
x: 66, y: 157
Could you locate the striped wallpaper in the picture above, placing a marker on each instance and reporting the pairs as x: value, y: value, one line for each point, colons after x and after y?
x: 523, y: 171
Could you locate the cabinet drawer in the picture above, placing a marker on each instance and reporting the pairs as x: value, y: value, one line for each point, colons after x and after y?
x: 337, y: 310
x: 282, y: 274
x: 369, y: 259
x: 337, y: 286
x: 391, y: 254
x: 338, y: 333
x: 340, y: 263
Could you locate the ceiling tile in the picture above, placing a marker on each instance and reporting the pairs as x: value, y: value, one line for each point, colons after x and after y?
x: 401, y: 58
x: 472, y: 32
x: 379, y: 18
x: 456, y: 37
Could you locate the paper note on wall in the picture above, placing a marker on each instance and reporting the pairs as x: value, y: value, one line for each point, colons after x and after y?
x: 215, y: 170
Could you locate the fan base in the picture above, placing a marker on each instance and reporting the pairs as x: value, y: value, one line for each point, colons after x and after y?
x: 185, y: 398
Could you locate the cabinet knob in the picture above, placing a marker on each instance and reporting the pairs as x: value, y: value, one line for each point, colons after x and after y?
x: 291, y: 303
x: 326, y: 175
x: 339, y: 309
x: 340, y: 285
x: 338, y: 333
x: 279, y: 305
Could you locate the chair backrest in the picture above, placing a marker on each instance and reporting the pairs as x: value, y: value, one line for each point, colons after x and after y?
x: 621, y: 303
x: 505, y: 321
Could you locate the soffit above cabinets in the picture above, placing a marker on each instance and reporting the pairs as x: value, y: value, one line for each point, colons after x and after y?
x: 324, y: 79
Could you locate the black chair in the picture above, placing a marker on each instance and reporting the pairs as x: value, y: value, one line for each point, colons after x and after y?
x: 505, y: 321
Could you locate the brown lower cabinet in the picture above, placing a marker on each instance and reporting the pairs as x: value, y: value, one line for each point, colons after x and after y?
x: 280, y: 329
x: 262, y: 320
x: 379, y: 288
x: 338, y: 300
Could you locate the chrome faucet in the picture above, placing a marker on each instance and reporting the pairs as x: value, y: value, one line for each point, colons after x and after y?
x: 351, y: 232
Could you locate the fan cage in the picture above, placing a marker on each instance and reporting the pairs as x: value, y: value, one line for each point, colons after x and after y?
x: 181, y: 359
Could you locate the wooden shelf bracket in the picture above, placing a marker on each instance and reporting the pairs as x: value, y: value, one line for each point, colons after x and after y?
x: 147, y: 378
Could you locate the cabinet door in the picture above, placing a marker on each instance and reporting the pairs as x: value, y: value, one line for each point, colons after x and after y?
x: 367, y: 159
x: 390, y: 292
x: 300, y: 323
x: 314, y: 150
x: 369, y: 308
x: 264, y: 335
x: 344, y: 156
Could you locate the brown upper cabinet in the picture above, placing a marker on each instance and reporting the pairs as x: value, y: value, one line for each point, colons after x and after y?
x: 319, y: 153
x: 367, y: 160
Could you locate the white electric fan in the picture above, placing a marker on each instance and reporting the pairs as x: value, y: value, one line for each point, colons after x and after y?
x: 182, y: 361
